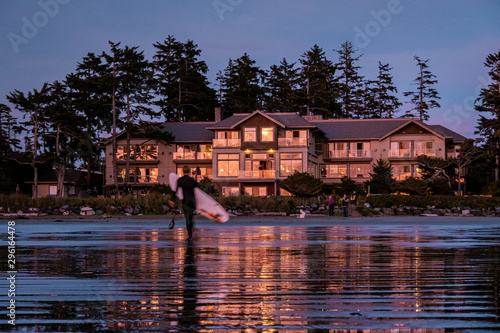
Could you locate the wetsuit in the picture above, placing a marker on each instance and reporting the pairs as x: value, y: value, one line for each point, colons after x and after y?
x: 188, y: 202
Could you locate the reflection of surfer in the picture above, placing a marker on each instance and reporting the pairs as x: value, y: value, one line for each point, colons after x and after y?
x: 187, y: 184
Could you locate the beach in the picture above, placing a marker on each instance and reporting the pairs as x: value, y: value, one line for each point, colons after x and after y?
x: 266, y: 274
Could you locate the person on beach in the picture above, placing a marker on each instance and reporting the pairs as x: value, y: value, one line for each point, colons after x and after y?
x: 188, y: 185
x: 345, y: 205
x: 331, y: 205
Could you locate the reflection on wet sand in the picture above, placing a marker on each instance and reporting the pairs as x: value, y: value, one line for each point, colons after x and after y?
x: 369, y: 278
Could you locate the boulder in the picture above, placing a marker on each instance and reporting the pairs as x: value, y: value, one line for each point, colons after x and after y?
x: 388, y: 211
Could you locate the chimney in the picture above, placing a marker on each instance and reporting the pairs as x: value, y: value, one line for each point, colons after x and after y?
x: 217, y: 114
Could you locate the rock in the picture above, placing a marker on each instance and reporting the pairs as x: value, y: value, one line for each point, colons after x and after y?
x: 128, y: 210
x: 86, y: 209
x: 388, y: 211
x: 99, y: 212
x: 476, y: 212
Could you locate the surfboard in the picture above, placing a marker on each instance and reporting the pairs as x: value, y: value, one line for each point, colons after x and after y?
x: 205, y: 204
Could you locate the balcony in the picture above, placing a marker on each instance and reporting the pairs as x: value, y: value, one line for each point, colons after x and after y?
x: 337, y: 153
x: 190, y: 155
x: 224, y: 143
x: 256, y: 174
x: 428, y: 152
x: 292, y: 142
x: 349, y: 154
x: 400, y: 153
x: 204, y: 155
x: 411, y: 153
x: 360, y: 153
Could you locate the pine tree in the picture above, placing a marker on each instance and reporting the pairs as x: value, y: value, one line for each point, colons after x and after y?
x: 425, y: 96
x: 7, y: 131
x: 282, y: 88
x: 319, y: 89
x: 489, y: 102
x: 63, y: 122
x: 381, y: 180
x: 351, y: 83
x: 89, y: 94
x: 381, y: 101
x: 242, y: 90
x: 33, y: 106
x: 180, y: 83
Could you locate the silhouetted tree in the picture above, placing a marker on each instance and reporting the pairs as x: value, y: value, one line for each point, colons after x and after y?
x: 425, y: 96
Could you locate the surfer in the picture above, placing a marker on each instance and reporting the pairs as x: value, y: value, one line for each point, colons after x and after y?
x: 188, y: 185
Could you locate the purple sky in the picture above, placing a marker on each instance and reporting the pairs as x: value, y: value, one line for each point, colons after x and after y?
x: 42, y: 41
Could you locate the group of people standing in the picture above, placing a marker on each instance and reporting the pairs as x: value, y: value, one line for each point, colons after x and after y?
x: 345, y: 203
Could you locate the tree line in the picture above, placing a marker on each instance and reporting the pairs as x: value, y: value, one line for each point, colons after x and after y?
x: 119, y: 88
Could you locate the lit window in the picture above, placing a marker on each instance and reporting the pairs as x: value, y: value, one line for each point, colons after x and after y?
x: 290, y: 163
x: 250, y: 134
x: 267, y: 134
x: 359, y: 170
x: 334, y: 171
x: 228, y: 165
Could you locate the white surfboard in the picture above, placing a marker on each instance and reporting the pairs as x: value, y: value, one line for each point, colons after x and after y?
x: 205, y: 204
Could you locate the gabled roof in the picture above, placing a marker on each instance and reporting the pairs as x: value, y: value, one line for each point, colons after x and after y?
x: 377, y: 129
x: 284, y: 120
x: 448, y: 134
x: 412, y: 121
x: 363, y: 129
x: 183, y: 131
x: 190, y: 131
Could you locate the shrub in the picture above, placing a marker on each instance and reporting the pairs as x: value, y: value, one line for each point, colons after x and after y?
x: 412, y: 186
x: 303, y: 184
x: 440, y: 186
x: 492, y: 189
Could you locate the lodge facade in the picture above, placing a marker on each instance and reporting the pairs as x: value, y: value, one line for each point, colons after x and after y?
x: 249, y: 154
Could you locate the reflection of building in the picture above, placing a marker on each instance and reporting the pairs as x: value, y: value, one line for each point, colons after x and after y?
x: 250, y: 153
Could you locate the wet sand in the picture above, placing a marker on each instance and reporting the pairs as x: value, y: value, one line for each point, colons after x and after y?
x: 266, y: 274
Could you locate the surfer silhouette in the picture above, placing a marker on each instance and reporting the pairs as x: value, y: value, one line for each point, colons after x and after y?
x: 188, y: 185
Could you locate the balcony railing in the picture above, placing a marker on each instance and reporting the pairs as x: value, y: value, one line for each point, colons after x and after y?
x: 256, y: 174
x: 411, y: 153
x: 222, y: 143
x: 337, y: 153
x: 184, y: 155
x: 428, y: 152
x: 289, y: 142
x: 349, y: 153
x: 400, y: 153
x: 360, y: 153
x: 204, y: 155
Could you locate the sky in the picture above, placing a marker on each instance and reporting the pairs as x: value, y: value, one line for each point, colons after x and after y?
x: 43, y: 40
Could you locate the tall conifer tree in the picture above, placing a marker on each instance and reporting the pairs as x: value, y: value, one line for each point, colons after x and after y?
x: 243, y: 91
x: 319, y: 89
x: 489, y: 102
x: 282, y: 88
x: 350, y: 82
x: 425, y: 96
